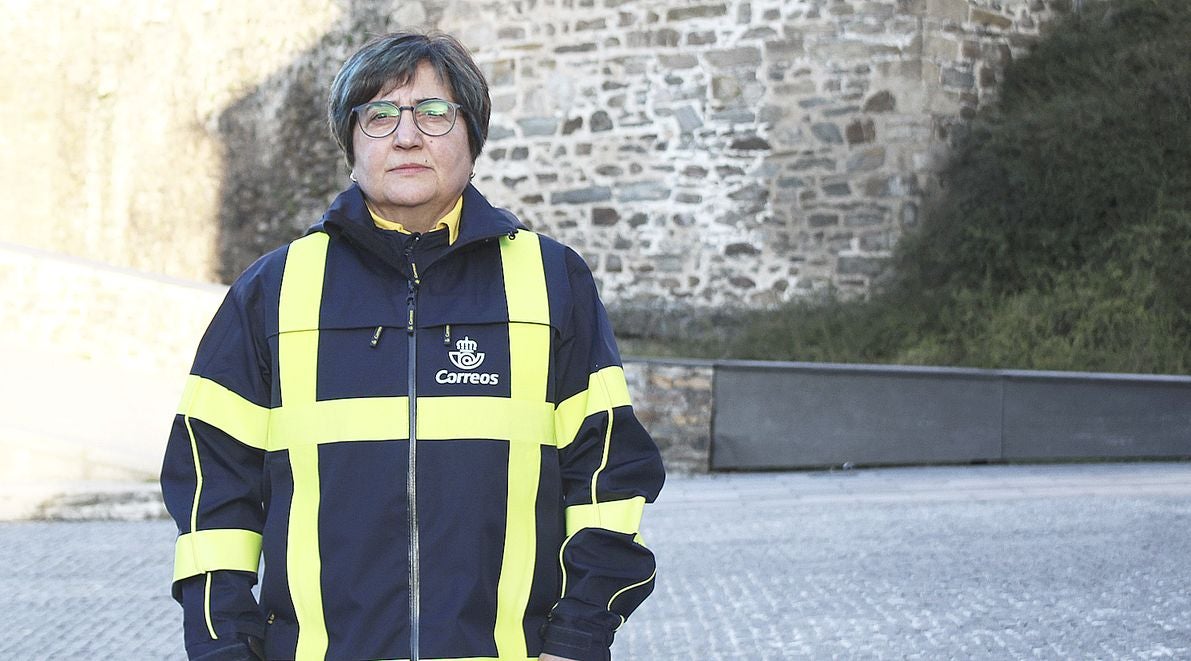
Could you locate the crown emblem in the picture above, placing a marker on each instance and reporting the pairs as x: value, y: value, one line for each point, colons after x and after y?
x: 465, y: 356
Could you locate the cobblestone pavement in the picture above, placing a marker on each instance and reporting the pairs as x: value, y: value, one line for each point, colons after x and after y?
x: 1082, y: 561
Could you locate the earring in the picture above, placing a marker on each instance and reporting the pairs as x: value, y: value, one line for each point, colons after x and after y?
x: 471, y: 176
x: 352, y: 176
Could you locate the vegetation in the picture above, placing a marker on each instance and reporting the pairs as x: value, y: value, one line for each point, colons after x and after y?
x: 1062, y: 235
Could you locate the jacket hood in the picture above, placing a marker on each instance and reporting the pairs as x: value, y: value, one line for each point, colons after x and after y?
x: 348, y: 216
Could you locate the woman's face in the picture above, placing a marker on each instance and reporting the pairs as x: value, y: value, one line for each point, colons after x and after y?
x: 410, y: 177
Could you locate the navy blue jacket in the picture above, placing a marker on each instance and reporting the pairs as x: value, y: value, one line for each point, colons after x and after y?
x: 507, y: 528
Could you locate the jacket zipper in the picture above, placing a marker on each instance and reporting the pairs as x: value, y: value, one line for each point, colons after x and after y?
x: 412, y: 469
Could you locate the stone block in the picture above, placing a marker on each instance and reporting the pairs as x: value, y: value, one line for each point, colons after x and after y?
x: 866, y: 160
x: 828, y: 133
x: 688, y: 119
x: 823, y: 220
x: 877, y: 241
x: 812, y: 163
x: 643, y: 191
x: 865, y: 266
x: 988, y: 77
x: 600, y: 121
x: 725, y: 88
x: 940, y: 47
x: 701, y: 38
x: 582, y: 195
x: 500, y: 73
x: 763, y: 32
x: 750, y: 143
x: 741, y: 249
x: 678, y: 62
x: 957, y: 78
x: 882, y: 101
x: 990, y: 19
x: 911, y: 7
x: 865, y: 217
x: 837, y: 188
x: 861, y: 131
x: 664, y: 37
x: 604, y: 217
x: 498, y: 132
x: 534, y: 126
x: 699, y: 11
x: 593, y: 24
x: 881, y: 11
x: 745, y: 56
x: 585, y: 47
x: 949, y: 11
x: 786, y: 48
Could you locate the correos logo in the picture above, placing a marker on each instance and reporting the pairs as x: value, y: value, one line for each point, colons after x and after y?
x: 466, y: 357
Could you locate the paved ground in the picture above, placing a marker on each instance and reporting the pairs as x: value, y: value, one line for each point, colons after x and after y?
x: 1050, y: 562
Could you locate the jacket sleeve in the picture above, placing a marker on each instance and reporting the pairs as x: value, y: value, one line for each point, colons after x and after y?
x: 211, y: 480
x: 610, y: 469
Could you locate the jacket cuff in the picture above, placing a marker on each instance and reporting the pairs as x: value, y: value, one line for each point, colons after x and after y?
x: 245, y: 648
x: 573, y: 638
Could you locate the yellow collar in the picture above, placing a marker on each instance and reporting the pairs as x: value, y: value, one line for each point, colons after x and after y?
x: 450, y: 222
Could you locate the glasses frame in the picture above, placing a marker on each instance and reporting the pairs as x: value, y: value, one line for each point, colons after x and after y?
x: 358, y: 113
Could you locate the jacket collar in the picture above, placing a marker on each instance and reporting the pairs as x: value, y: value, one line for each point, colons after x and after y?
x: 348, y: 218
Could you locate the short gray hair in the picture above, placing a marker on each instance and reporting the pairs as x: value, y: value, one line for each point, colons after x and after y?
x: 391, y: 61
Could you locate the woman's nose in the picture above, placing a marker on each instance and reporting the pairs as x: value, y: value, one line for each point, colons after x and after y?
x: 407, y: 134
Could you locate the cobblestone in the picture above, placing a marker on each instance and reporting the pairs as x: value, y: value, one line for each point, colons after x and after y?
x: 989, y: 562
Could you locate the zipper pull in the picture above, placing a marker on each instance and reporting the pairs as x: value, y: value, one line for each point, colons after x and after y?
x: 376, y: 337
x: 446, y: 336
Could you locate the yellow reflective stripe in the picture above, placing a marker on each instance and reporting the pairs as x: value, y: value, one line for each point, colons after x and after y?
x: 198, y: 474
x: 207, y: 607
x: 359, y: 419
x: 302, y: 283
x: 595, y: 477
x: 299, y: 304
x: 606, y: 390
x: 222, y: 408
x: 211, y: 550
x: 626, y: 589
x: 529, y: 360
x: 622, y: 516
x: 386, y: 418
x: 517, y: 563
x: 485, y: 417
x: 525, y: 278
x: 529, y: 351
x: 303, y: 561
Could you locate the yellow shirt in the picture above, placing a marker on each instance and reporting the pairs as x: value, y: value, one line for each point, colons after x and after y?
x: 449, y: 222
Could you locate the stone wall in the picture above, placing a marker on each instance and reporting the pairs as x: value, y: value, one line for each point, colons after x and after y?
x: 674, y: 401
x: 732, y: 151
x: 697, y: 153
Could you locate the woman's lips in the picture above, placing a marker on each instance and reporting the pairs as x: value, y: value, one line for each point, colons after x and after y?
x: 409, y: 168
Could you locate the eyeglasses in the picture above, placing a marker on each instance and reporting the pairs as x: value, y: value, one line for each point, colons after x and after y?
x: 433, y: 117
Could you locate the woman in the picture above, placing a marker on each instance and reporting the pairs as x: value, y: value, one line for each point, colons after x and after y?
x: 416, y: 412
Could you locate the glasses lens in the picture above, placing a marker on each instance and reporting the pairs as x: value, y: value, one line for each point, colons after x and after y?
x: 379, y: 119
x: 434, y: 116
